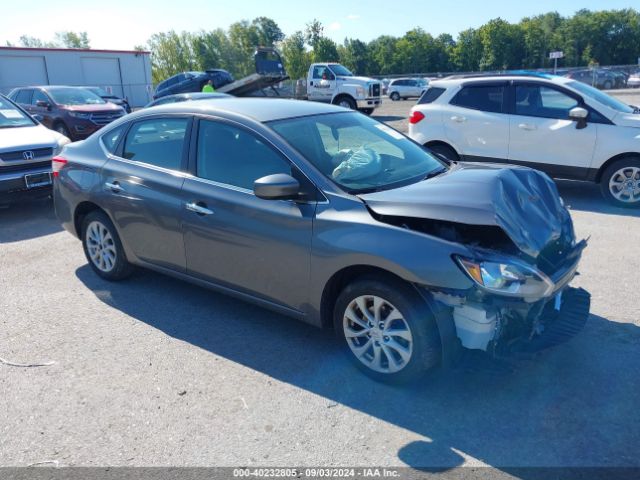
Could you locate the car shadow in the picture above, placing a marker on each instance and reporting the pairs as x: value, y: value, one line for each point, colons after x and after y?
x: 27, y: 220
x: 575, y: 405
x: 586, y: 196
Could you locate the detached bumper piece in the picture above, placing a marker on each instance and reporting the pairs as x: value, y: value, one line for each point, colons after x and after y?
x: 559, y: 325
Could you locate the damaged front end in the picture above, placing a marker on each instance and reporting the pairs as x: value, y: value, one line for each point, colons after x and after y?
x: 522, y: 254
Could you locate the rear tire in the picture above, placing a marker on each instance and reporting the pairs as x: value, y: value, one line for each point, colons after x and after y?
x: 386, y: 329
x: 445, y: 151
x: 608, y: 85
x: 103, y: 248
x: 620, y: 182
x: 367, y: 111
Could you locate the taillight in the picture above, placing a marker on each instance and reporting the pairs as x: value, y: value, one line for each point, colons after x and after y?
x: 56, y: 165
x: 415, y: 117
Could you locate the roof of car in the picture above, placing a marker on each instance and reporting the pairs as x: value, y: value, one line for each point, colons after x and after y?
x: 460, y: 79
x: 261, y: 109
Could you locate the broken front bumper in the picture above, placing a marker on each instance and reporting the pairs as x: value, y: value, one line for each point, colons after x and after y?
x: 560, y: 321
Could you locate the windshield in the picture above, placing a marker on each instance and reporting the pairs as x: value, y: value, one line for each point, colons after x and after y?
x: 74, y: 96
x: 99, y: 91
x: 358, y: 153
x: 11, y: 116
x: 601, y: 97
x: 341, y: 70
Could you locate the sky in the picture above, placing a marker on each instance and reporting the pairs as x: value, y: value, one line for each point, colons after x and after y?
x: 123, y: 24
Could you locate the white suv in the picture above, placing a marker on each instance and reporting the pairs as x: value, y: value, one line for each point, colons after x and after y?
x: 554, y: 124
x: 405, y: 88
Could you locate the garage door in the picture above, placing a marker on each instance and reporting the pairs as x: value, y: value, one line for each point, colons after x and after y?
x: 20, y: 71
x: 102, y: 72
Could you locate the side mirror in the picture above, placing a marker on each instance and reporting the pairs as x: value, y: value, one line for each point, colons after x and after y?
x: 37, y: 117
x: 43, y: 104
x: 279, y: 186
x: 579, y: 115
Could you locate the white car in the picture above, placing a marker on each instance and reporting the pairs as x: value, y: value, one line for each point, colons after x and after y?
x: 634, y: 80
x: 554, y: 124
x: 26, y: 150
x: 403, y: 88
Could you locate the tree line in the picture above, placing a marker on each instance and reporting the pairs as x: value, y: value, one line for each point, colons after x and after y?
x: 607, y: 37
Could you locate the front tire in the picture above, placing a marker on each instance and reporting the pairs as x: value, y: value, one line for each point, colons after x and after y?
x: 620, y: 182
x: 387, y: 330
x: 395, y: 96
x: 346, y: 102
x: 103, y: 248
x: 62, y: 129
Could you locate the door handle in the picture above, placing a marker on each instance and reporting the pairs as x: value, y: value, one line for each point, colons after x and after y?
x: 114, y: 187
x: 526, y: 126
x: 458, y: 119
x: 199, y: 208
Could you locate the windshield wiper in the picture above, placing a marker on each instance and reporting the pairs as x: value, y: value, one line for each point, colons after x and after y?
x: 435, y: 173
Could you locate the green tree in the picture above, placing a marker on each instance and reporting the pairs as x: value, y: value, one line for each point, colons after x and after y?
x: 296, y: 58
x: 466, y: 53
x: 354, y: 54
x: 73, y: 39
x: 269, y: 32
x: 502, y: 45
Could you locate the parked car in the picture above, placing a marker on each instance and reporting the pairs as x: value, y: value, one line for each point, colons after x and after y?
x: 403, y: 88
x: 184, y: 97
x: 560, y: 126
x: 109, y: 97
x: 599, y: 78
x: 335, y: 219
x: 74, y: 112
x: 26, y: 150
x: 191, y: 82
x: 634, y: 80
x: 334, y: 83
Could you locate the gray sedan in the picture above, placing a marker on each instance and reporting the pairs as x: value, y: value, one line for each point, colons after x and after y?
x: 328, y: 216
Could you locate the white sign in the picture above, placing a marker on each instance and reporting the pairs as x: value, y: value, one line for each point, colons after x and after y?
x: 553, y: 55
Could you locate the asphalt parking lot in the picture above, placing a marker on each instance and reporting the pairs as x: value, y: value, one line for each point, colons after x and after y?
x: 153, y: 371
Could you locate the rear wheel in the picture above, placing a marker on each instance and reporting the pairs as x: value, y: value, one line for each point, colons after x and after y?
x: 608, y: 85
x: 103, y: 248
x: 395, y: 96
x: 367, y: 111
x: 620, y: 182
x: 444, y: 150
x: 387, y: 330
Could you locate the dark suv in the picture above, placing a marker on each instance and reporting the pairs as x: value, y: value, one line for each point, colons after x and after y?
x: 75, y: 112
x: 192, y: 82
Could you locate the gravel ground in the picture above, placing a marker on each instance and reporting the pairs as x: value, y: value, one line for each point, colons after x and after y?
x: 153, y: 371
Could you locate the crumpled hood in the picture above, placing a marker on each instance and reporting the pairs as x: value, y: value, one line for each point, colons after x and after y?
x: 627, y: 120
x: 523, y: 202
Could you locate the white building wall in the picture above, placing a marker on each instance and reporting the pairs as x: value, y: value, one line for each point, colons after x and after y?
x: 126, y: 74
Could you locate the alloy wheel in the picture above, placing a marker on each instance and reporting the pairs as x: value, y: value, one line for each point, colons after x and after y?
x: 101, y: 247
x: 378, y: 334
x: 624, y: 184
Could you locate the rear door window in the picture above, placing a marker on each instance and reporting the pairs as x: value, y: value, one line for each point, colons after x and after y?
x: 158, y: 142
x: 487, y: 98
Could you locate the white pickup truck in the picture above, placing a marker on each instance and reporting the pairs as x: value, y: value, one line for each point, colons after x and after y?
x: 334, y: 83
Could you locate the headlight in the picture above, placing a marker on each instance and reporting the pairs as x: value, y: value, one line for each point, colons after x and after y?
x: 61, y: 143
x: 85, y: 116
x: 360, y: 91
x: 508, y: 278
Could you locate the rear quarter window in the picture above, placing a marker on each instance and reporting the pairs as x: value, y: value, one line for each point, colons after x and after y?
x: 431, y: 95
